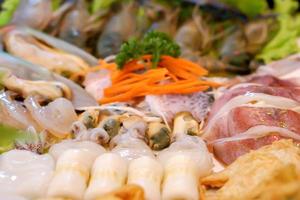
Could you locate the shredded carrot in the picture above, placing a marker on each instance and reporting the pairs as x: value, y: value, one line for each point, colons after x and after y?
x: 137, y: 78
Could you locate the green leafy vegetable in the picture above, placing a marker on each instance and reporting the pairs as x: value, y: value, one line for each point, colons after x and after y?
x: 101, y: 4
x: 250, y: 8
x: 284, y: 42
x: 11, y: 138
x: 157, y: 44
x: 56, y: 4
x: 172, y: 3
x: 8, y: 137
x: 154, y: 43
x: 129, y: 50
x: 8, y: 9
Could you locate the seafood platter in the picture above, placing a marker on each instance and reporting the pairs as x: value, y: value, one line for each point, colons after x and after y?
x: 149, y: 100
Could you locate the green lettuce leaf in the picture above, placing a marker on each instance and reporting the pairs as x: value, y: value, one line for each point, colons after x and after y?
x: 250, y: 8
x: 8, y: 9
x: 284, y: 42
x: 101, y: 4
x: 56, y: 4
x: 11, y: 138
x: 8, y: 137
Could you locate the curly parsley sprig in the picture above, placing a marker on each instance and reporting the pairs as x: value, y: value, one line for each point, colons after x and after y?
x: 154, y: 43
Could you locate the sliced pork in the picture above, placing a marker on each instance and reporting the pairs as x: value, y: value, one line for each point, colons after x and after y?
x: 287, y: 92
x: 286, y: 69
x: 241, y: 119
x: 228, y: 151
x: 253, y: 114
x: 269, y: 80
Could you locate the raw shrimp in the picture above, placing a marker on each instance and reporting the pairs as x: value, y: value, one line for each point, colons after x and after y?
x: 35, y: 14
x: 72, y: 28
x: 117, y: 30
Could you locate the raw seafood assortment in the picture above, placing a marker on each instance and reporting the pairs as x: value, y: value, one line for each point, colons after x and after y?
x: 134, y: 100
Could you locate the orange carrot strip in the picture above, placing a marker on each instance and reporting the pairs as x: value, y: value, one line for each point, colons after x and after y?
x: 176, y: 91
x: 185, y: 64
x: 172, y: 76
x: 181, y: 74
x: 132, y: 66
x: 122, y: 97
x: 192, y: 67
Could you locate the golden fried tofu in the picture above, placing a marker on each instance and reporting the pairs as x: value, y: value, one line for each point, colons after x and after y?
x: 253, y: 175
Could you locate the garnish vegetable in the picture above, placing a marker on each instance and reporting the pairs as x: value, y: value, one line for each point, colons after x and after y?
x: 149, y: 67
x: 154, y: 43
x: 56, y: 4
x: 101, y: 4
x: 8, y: 8
x: 172, y: 76
x: 10, y: 137
x: 284, y: 42
x: 249, y: 7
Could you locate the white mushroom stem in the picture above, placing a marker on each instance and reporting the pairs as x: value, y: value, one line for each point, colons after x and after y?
x: 181, y: 178
x: 146, y: 172
x: 71, y: 174
x: 109, y: 173
x: 185, y: 162
x: 184, y: 124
